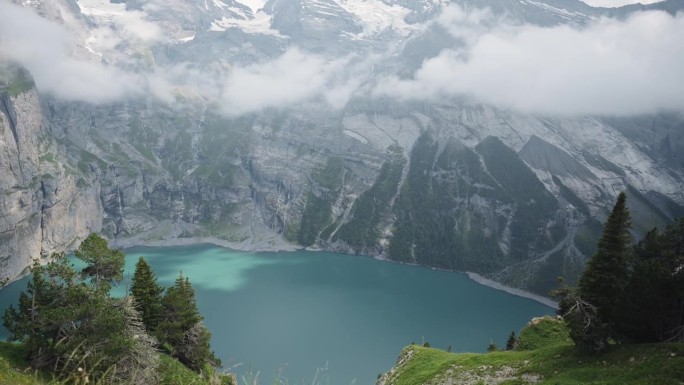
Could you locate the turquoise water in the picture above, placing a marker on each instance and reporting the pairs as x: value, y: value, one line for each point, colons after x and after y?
x: 293, y: 314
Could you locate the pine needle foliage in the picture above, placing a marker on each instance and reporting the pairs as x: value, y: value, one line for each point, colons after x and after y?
x: 607, y: 272
x: 70, y: 325
x: 182, y: 329
x: 147, y: 294
x: 628, y: 293
x: 104, y: 266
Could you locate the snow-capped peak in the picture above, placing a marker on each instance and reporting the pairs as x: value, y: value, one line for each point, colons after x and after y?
x: 376, y: 16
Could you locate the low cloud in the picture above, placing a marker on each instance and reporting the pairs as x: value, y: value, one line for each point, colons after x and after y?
x: 293, y: 77
x: 616, y: 67
x: 134, y: 24
x: 608, y: 67
x: 126, y: 27
x: 466, y: 25
x: 44, y: 47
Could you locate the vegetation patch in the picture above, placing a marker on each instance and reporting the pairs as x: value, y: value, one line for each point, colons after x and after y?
x: 316, y: 217
x: 48, y: 157
x: 88, y: 158
x: 545, y: 355
x: 16, y: 80
x: 15, y: 370
x: 72, y: 331
x: 317, y: 214
x: 587, y: 236
x: 435, y: 224
x: 362, y: 230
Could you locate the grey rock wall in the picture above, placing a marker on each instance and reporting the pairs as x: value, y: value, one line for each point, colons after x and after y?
x: 43, y: 207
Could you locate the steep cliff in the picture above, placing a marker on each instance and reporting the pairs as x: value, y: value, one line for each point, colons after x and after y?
x: 44, y: 205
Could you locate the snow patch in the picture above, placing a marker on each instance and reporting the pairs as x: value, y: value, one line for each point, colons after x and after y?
x: 356, y: 136
x: 220, y: 4
x: 101, y: 10
x: 108, y: 17
x: 377, y: 16
x: 89, y: 45
x: 564, y: 13
x: 185, y: 39
x: 259, y: 24
x: 254, y: 5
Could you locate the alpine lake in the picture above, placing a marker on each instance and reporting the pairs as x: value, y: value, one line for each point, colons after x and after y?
x: 307, y: 317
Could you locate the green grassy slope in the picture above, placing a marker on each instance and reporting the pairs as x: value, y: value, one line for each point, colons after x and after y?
x: 544, y: 355
x: 14, y: 371
x: 11, y: 367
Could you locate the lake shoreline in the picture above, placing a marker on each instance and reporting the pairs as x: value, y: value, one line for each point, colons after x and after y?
x: 482, y: 281
x: 511, y: 290
x: 272, y: 244
x: 276, y: 244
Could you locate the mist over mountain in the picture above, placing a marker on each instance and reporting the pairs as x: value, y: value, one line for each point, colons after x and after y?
x: 487, y: 136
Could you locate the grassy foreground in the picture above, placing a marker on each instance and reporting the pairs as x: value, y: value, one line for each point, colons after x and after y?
x: 544, y: 355
x: 14, y: 371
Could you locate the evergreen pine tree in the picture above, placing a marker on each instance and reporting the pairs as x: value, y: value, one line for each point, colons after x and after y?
x: 28, y: 323
x: 672, y: 290
x: 182, y: 328
x: 148, y: 295
x: 65, y: 324
x: 607, y: 272
x: 512, y: 340
x: 104, y: 265
x: 643, y: 302
x: 653, y: 302
x: 179, y: 311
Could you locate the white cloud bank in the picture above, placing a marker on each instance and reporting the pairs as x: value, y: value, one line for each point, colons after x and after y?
x: 44, y: 47
x: 609, y: 67
x: 627, y: 67
x: 293, y: 77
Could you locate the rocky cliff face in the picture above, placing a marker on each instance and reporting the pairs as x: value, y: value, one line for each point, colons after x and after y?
x: 453, y: 192
x: 517, y: 197
x: 44, y: 206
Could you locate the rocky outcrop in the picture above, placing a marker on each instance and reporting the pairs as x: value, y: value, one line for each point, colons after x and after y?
x: 44, y: 206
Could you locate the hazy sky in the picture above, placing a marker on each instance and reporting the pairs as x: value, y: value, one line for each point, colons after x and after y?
x: 619, y: 67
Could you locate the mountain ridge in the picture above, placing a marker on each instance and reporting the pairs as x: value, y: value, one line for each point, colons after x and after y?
x: 147, y: 169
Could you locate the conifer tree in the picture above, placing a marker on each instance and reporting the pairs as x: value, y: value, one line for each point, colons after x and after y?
x: 653, y: 302
x: 512, y: 340
x: 673, y: 288
x: 65, y: 324
x: 148, y: 295
x: 179, y: 311
x: 607, y: 272
x: 28, y: 322
x: 104, y: 265
x: 182, y: 328
x: 641, y: 303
